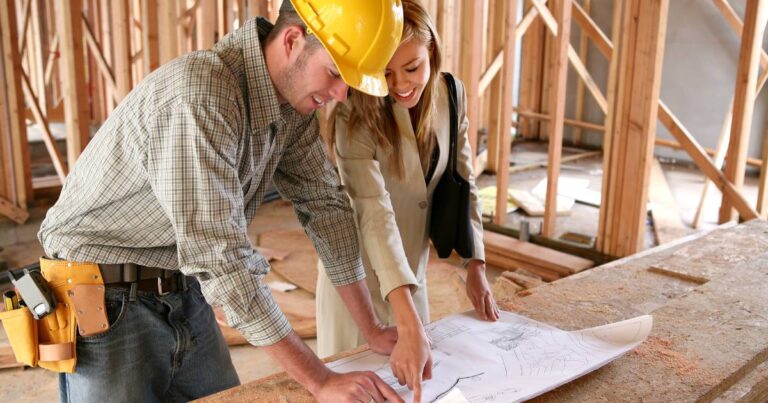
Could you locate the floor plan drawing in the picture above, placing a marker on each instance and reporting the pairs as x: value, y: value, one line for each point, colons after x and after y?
x: 510, y: 360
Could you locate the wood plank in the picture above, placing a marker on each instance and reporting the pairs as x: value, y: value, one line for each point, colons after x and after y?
x: 557, y: 109
x: 168, y: 31
x: 704, y: 163
x: 494, y: 98
x: 531, y: 74
x: 756, y: 162
x: 578, y: 14
x: 150, y: 43
x: 505, y: 124
x: 121, y: 48
x: 735, y: 22
x: 743, y: 105
x: 551, y: 259
x: 205, y: 26
x: 98, y: 54
x: 667, y: 223
x: 18, y: 215
x: 72, y: 74
x: 18, y: 129
x: 42, y: 122
x: 471, y: 41
x: 633, y: 127
x: 590, y: 29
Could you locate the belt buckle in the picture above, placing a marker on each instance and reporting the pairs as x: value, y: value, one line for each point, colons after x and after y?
x: 160, y: 291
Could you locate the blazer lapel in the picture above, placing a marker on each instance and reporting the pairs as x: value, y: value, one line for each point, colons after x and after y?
x: 442, y: 127
x: 409, y: 151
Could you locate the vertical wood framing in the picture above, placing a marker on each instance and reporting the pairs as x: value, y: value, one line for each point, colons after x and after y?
x: 205, y: 25
x: 507, y: 78
x: 471, y: 44
x: 633, y: 127
x: 121, y: 22
x: 531, y: 76
x: 498, y: 34
x: 744, y: 94
x: 18, y: 130
x: 168, y: 31
x: 72, y: 66
x: 149, y: 35
x: 557, y: 109
x: 583, y: 54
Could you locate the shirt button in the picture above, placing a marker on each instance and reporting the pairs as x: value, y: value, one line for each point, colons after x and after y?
x: 423, y: 204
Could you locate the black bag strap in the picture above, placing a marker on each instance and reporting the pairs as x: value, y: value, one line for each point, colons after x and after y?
x: 454, y: 115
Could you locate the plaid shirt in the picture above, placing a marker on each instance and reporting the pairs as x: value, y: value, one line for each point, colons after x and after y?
x: 176, y: 173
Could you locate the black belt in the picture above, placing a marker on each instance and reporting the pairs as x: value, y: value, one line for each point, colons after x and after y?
x: 151, y: 279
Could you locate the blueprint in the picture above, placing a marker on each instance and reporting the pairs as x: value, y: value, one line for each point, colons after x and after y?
x: 510, y: 360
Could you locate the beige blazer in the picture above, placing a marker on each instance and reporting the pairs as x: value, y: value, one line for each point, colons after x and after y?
x: 392, y: 216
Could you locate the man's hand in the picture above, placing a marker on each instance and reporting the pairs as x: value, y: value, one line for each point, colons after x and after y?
x: 479, y: 292
x: 381, y: 339
x: 355, y: 387
x: 411, y: 360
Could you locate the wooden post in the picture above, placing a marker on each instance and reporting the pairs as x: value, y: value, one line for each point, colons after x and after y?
x: 149, y: 35
x: 743, y: 99
x: 583, y: 54
x: 72, y: 67
x: 168, y: 31
x: 633, y: 110
x: 531, y: 76
x: 503, y: 128
x: 121, y: 22
x: 498, y: 35
x: 37, y: 69
x: 471, y: 44
x: 206, y: 24
x: 557, y: 110
x: 12, y: 82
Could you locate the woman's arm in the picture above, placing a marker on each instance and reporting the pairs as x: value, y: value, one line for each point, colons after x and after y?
x: 478, y: 290
x: 365, y: 183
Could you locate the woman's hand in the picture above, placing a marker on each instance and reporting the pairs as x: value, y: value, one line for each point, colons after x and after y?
x: 479, y: 292
x: 411, y: 359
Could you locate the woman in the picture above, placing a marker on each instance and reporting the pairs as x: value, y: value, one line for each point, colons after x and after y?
x: 391, y: 153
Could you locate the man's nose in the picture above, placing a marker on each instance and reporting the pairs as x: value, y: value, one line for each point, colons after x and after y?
x: 339, y: 91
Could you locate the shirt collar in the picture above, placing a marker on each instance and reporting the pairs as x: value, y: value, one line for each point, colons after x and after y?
x: 264, y: 107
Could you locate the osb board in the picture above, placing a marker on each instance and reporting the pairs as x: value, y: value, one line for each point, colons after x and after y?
x: 300, y: 265
x: 706, y: 337
x: 446, y: 289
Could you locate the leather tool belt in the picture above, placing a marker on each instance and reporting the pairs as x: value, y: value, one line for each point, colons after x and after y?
x: 78, y: 288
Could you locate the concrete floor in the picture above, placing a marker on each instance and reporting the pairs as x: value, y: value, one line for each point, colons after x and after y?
x: 36, y: 385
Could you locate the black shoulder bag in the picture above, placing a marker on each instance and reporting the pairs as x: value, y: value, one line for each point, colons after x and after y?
x: 450, y: 224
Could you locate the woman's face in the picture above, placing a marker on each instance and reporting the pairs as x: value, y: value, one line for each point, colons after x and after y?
x: 408, y: 72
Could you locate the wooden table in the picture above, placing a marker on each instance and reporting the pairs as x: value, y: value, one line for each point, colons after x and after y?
x: 708, y: 295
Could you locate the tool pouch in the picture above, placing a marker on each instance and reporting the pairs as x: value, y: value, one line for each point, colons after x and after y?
x: 21, y: 329
x: 79, y: 290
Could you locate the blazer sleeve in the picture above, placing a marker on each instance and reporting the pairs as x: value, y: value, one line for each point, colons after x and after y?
x: 364, y: 182
x: 464, y: 166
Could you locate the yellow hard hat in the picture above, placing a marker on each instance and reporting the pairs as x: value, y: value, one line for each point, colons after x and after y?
x: 360, y: 35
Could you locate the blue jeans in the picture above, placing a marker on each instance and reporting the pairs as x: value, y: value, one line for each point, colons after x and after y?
x: 157, y: 348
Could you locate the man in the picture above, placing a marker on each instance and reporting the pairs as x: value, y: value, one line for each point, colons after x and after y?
x: 170, y: 182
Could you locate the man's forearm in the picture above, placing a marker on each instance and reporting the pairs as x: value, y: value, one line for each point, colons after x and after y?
x: 357, y: 298
x: 299, y: 362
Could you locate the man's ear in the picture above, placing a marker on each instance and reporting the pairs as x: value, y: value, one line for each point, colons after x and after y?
x: 293, y: 40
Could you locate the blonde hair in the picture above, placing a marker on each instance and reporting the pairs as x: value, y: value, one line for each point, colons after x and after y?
x: 375, y: 113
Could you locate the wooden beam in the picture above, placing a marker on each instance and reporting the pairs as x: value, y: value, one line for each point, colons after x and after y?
x: 591, y: 30
x: 471, y: 44
x: 121, y: 23
x: 18, y: 215
x: 735, y: 22
x: 583, y: 54
x: 258, y: 8
x: 18, y: 128
x: 150, y: 45
x: 72, y: 67
x: 37, y: 69
x: 744, y: 95
x: 705, y: 164
x: 503, y: 128
x: 42, y: 122
x: 168, y: 31
x: 491, y: 72
x: 98, y: 54
x: 557, y: 110
x: 497, y: 31
x: 526, y: 22
x: 205, y: 27
x: 571, y: 122
x: 633, y: 115
x: 532, y: 61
